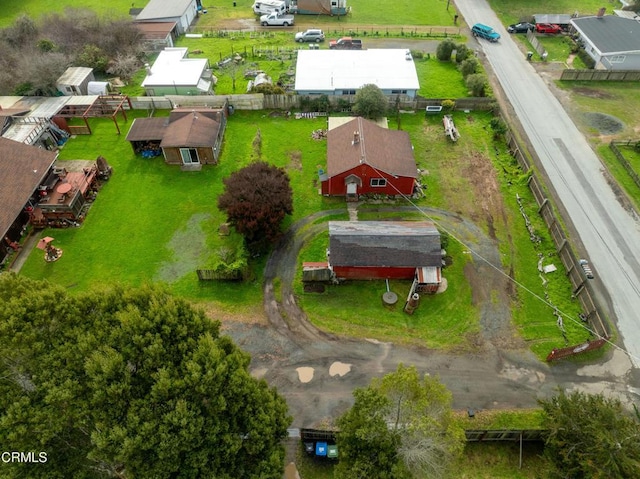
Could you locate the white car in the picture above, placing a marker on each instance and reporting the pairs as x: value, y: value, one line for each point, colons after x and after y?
x: 312, y: 35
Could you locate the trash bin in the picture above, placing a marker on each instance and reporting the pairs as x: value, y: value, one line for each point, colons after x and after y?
x: 529, y: 56
x: 231, y: 110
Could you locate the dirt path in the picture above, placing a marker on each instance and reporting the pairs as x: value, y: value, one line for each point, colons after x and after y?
x: 317, y: 372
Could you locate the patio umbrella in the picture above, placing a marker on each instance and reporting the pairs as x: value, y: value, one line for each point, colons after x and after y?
x: 44, y: 242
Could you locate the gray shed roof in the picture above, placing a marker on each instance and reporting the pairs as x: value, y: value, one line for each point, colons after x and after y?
x: 610, y: 34
x: 164, y: 9
x: 384, y: 243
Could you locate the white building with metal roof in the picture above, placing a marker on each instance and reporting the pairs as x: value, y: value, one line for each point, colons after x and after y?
x: 174, y: 74
x: 343, y: 72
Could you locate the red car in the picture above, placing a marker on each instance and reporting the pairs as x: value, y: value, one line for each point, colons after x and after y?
x: 548, y: 28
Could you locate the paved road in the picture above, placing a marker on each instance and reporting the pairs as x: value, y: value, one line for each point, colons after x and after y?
x: 610, y: 234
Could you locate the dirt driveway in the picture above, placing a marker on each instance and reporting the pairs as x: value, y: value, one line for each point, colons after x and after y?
x: 317, y: 372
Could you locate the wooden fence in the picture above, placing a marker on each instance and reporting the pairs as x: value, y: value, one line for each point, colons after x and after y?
x: 535, y: 43
x: 600, y: 75
x: 259, y: 101
x: 623, y: 161
x: 258, y: 32
x: 213, y: 275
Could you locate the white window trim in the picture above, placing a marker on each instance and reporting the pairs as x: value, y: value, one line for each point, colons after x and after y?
x: 381, y: 182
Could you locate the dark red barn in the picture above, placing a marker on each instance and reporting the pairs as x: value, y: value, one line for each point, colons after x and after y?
x: 364, y: 158
x: 384, y: 249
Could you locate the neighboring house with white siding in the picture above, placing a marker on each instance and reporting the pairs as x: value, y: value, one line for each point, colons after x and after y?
x: 613, y: 42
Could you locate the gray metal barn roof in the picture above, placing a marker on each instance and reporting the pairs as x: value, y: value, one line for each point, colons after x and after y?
x: 384, y: 244
x: 164, y: 9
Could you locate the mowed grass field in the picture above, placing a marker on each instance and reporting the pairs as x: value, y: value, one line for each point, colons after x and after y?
x: 513, y: 11
x: 383, y: 12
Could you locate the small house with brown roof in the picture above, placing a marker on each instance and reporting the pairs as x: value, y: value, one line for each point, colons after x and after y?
x: 23, y: 168
x: 386, y: 250
x: 188, y: 137
x: 366, y: 159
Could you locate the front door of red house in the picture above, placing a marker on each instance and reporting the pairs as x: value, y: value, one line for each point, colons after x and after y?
x: 352, y: 192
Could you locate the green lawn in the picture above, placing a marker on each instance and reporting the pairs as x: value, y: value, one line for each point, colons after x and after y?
x: 11, y: 9
x: 153, y: 222
x: 513, y: 11
x: 363, y: 12
x: 385, y: 12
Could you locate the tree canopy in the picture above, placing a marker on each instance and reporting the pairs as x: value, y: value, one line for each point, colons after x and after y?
x: 591, y: 436
x: 399, y: 427
x: 129, y: 383
x: 33, y: 54
x: 370, y: 102
x: 256, y: 199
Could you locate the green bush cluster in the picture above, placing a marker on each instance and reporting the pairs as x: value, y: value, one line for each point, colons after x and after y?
x: 588, y: 61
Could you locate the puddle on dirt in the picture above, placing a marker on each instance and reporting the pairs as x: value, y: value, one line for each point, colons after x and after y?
x: 305, y: 374
x: 339, y: 369
x: 605, y: 124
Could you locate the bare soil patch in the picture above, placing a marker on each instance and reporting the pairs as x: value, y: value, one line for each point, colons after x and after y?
x: 592, y: 93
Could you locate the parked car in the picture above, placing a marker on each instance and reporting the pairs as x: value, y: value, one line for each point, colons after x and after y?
x: 345, y: 43
x: 486, y: 32
x: 522, y: 27
x: 586, y: 268
x: 549, y: 28
x: 312, y: 35
x: 276, y: 20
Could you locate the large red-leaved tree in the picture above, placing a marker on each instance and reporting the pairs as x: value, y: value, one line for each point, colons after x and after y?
x: 256, y: 199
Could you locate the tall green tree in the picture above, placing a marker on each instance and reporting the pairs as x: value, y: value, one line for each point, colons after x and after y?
x: 370, y: 102
x: 368, y: 447
x: 591, y: 436
x: 400, y: 426
x: 129, y: 383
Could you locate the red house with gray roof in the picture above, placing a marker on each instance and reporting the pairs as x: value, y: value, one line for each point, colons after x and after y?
x: 385, y: 249
x: 366, y: 159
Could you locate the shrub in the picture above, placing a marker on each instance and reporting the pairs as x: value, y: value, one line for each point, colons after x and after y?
x: 268, y: 89
x: 469, y: 67
x: 370, y: 102
x: 584, y: 56
x: 462, y: 52
x: 445, y: 49
x: 448, y: 105
x: 477, y: 84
